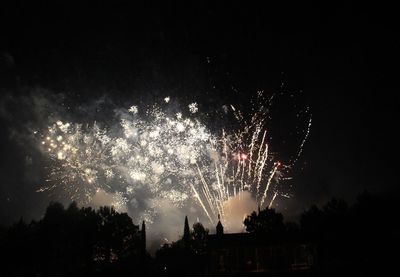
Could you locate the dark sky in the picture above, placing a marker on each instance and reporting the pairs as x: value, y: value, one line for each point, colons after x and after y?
x: 341, y: 58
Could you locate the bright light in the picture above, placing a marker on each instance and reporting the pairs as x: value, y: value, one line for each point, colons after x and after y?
x: 170, y: 155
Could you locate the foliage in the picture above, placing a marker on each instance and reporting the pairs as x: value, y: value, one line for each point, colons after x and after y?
x: 72, y: 240
x: 265, y: 221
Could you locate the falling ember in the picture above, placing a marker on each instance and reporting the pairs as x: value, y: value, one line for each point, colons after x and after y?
x: 173, y: 157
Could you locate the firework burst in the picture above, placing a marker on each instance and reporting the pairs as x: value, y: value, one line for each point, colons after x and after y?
x: 173, y: 157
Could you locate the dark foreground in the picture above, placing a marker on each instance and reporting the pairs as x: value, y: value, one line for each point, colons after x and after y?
x: 337, y: 239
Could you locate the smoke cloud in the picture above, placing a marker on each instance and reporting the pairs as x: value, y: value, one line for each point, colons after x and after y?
x: 237, y: 208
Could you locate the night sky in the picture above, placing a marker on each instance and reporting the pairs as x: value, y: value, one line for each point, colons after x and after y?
x: 339, y: 60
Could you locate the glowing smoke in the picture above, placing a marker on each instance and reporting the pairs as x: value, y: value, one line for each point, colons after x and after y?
x: 237, y: 208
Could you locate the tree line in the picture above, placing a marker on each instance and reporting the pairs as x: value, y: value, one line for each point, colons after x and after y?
x: 73, y: 241
x: 355, y: 239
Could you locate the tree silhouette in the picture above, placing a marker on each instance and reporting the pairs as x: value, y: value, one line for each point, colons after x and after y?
x: 116, y: 232
x: 199, y: 236
x: 332, y: 218
x: 72, y: 241
x: 186, y: 233
x: 353, y: 239
x: 265, y: 221
x: 143, y: 237
x: 82, y: 241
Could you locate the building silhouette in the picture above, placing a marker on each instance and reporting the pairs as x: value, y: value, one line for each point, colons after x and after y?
x: 242, y: 253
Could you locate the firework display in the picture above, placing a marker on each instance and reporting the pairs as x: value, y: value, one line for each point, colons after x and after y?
x: 170, y: 156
